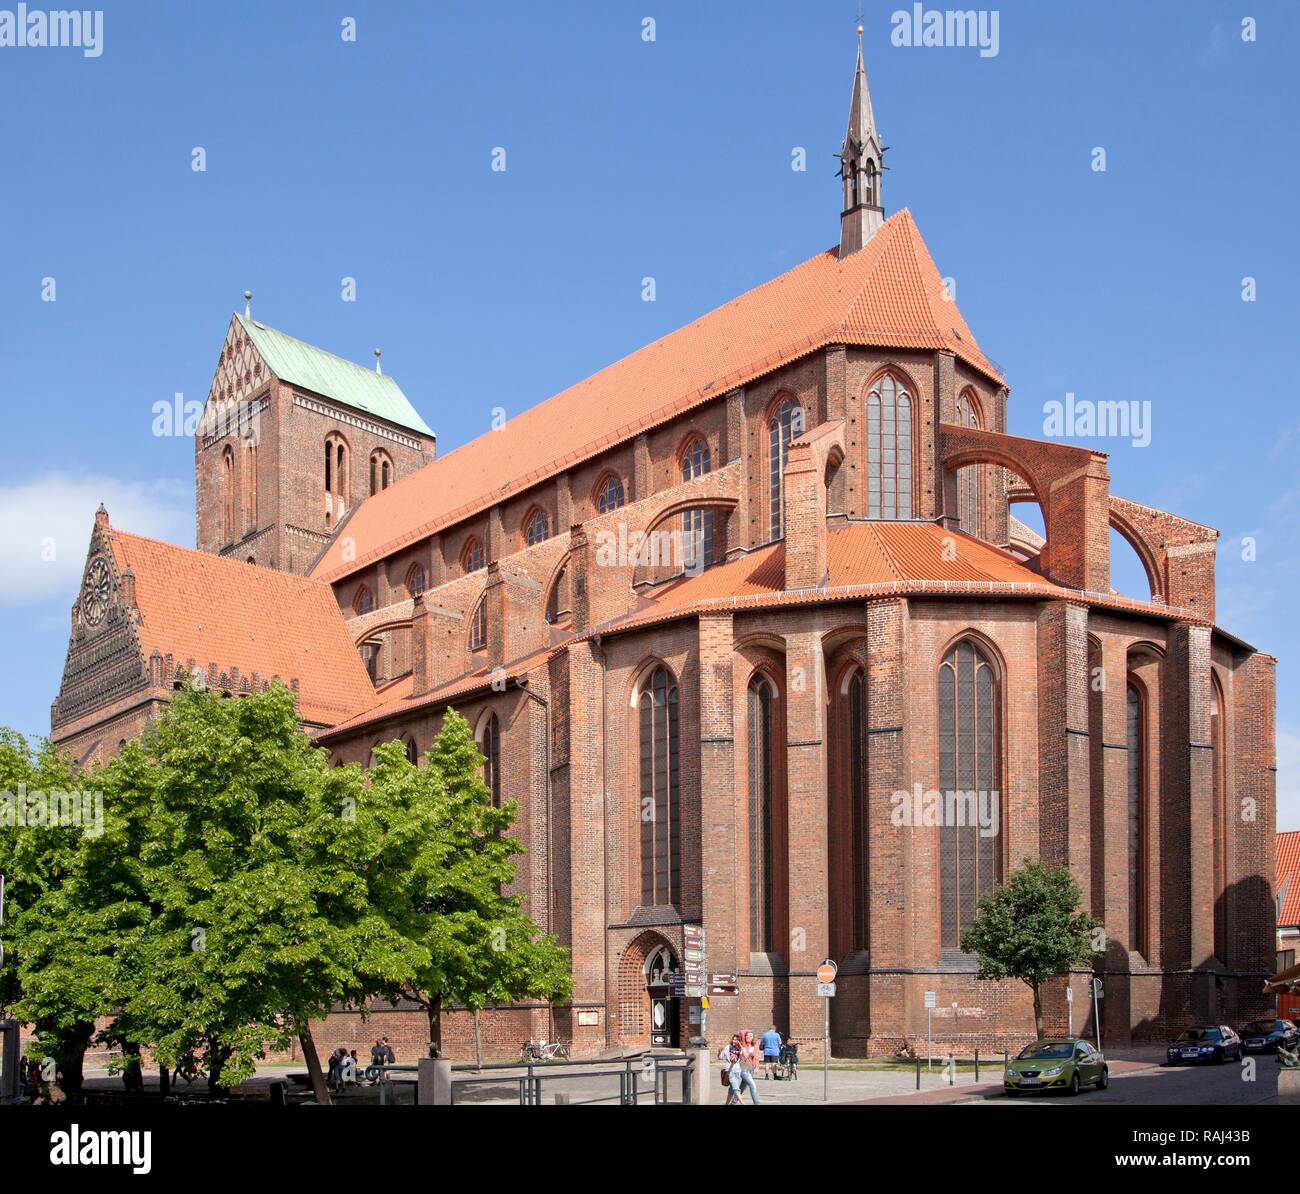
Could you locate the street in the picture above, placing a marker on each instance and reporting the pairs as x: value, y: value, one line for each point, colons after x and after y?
x: 1163, y: 1086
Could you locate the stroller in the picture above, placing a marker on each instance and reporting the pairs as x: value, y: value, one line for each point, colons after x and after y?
x: 787, y: 1064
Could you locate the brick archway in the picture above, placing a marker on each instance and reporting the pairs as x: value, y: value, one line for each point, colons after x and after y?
x: 633, y: 995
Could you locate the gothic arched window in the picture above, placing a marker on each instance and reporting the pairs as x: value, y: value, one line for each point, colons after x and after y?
x: 785, y: 425
x: 338, y: 489
x: 478, y: 626
x: 381, y: 471
x: 762, y: 893
x: 228, y: 494
x: 1220, y: 819
x: 609, y: 494
x: 853, y: 818
x: 472, y: 556
x: 415, y: 580
x: 660, y: 790
x: 889, y: 450
x: 970, y: 478
x: 537, y: 529
x: 969, y: 785
x: 250, y: 483
x: 1135, y: 739
x: 489, y: 745
x: 557, y: 602
x: 697, y: 525
x: 363, y: 602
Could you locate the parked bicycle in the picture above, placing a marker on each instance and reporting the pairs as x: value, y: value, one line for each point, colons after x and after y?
x: 544, y: 1051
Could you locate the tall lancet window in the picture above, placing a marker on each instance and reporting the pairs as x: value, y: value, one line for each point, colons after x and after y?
x: 869, y: 174
x: 1220, y: 819
x: 889, y: 450
x: 970, y: 785
x: 762, y: 892
x: 969, y: 478
x: 786, y: 425
x: 660, y: 804
x: 1135, y: 740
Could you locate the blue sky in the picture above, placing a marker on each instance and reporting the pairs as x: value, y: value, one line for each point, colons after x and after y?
x: 627, y: 158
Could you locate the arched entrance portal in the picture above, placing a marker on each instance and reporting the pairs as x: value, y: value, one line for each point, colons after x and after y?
x: 648, y: 1011
x: 660, y: 966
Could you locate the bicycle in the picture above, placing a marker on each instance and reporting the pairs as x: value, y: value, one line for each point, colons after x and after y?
x: 544, y: 1051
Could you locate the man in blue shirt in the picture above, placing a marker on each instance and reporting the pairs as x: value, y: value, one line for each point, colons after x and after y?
x: 771, y: 1046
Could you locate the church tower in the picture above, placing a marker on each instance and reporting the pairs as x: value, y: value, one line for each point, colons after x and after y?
x: 861, y: 166
x: 292, y: 439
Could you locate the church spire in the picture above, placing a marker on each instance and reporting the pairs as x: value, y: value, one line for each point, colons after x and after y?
x: 861, y: 163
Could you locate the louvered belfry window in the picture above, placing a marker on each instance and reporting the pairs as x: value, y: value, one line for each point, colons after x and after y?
x: 889, y: 450
x: 968, y: 762
x: 969, y: 479
x: 759, y: 731
x: 660, y: 806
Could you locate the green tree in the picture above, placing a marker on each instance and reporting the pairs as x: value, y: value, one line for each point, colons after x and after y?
x: 1031, y: 928
x: 254, y: 871
x: 52, y: 972
x: 482, y: 946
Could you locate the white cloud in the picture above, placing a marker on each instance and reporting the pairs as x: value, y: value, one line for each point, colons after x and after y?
x: 45, y: 527
x: 1288, y: 779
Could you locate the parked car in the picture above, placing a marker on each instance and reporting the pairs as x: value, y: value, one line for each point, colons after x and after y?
x: 1056, y: 1063
x: 1205, y: 1042
x: 1264, y: 1036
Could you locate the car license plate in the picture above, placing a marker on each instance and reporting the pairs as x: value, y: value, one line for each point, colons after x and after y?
x: 1030, y: 1082
x: 1189, y: 1053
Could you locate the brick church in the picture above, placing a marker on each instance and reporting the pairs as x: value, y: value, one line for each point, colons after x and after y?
x: 726, y: 616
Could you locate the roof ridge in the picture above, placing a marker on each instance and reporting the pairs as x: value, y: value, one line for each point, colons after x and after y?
x: 266, y: 327
x: 117, y: 533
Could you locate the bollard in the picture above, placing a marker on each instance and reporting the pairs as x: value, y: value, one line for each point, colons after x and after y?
x: 952, y: 1068
x: 977, y: 1063
x: 918, y: 1073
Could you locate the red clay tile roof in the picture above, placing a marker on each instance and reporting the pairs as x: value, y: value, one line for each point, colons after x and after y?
x: 889, y: 294
x: 1286, y: 877
x: 865, y: 559
x: 213, y: 610
x: 397, y: 700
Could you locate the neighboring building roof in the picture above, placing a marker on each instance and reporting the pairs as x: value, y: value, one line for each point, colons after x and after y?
x: 888, y: 294
x: 302, y: 364
x: 214, y: 610
x: 1286, y: 877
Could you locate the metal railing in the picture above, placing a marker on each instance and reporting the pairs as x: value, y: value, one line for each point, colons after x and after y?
x: 641, y: 1078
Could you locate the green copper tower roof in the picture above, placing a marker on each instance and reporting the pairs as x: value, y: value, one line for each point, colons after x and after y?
x: 302, y: 364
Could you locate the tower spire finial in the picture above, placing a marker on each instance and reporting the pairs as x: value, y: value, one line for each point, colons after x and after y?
x: 861, y: 163
x: 248, y: 304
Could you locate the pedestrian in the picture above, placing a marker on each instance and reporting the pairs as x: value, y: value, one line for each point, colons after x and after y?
x: 377, y: 1054
x: 390, y: 1058
x: 729, y: 1055
x: 742, y: 1069
x: 332, y: 1078
x: 771, y: 1046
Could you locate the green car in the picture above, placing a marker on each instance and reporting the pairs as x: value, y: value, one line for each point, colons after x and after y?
x: 1056, y: 1063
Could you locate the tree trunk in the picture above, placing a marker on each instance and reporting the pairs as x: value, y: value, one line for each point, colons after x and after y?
x: 133, y: 1074
x: 478, y: 1040
x: 434, y: 1010
x: 319, y: 1090
x: 217, y: 1059
x: 1038, y: 1010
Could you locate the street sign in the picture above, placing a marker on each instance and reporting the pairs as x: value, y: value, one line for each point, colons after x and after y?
x: 931, y: 999
x: 723, y: 989
x: 693, y: 991
x: 826, y: 990
x: 724, y: 980
x: 827, y: 971
x: 693, y: 954
x: 693, y: 935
